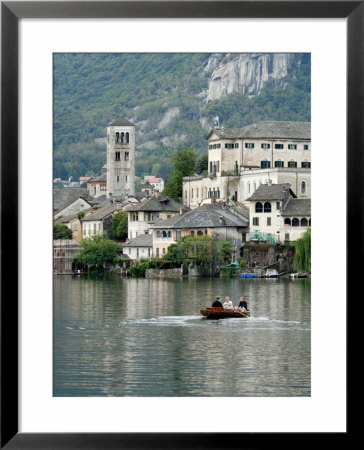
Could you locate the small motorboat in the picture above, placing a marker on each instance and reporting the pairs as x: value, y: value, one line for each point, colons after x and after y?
x: 298, y: 275
x: 221, y: 313
x: 248, y: 275
x: 271, y: 273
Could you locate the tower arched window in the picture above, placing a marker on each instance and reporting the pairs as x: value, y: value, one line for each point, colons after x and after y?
x: 267, y: 207
x: 248, y: 188
x: 304, y: 222
x: 287, y: 221
x: 258, y: 207
x: 127, y: 138
x: 122, y: 138
x: 303, y: 187
x: 295, y: 222
x: 117, y: 135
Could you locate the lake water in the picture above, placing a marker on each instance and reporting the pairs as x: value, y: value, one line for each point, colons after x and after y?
x: 146, y: 337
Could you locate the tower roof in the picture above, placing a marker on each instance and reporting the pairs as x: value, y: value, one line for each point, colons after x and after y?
x: 121, y: 121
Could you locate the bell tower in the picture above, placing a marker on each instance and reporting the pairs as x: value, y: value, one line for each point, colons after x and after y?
x: 120, y: 162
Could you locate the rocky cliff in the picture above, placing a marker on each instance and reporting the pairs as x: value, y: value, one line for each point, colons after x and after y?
x: 245, y: 73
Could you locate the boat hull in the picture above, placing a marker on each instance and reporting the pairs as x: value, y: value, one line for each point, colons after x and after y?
x: 248, y: 275
x: 219, y: 313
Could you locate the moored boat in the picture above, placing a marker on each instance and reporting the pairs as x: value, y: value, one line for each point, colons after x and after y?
x: 271, y: 273
x: 248, y: 275
x: 298, y: 275
x: 221, y: 313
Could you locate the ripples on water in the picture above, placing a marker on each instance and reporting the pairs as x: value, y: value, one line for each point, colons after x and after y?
x: 139, y: 337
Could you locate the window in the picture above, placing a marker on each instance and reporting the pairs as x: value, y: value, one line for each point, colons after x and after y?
x: 210, y: 166
x: 304, y: 222
x: 256, y: 221
x: 75, y: 227
x: 287, y: 221
x: 117, y: 156
x: 278, y: 163
x: 269, y: 221
x: 157, y: 251
x: 127, y: 138
x: 278, y: 205
x: 265, y: 164
x: 126, y: 179
x: 258, y: 207
x: 159, y: 234
x: 292, y: 147
x: 163, y: 251
x: 196, y: 192
x: 292, y: 163
x: 249, y: 145
x: 192, y: 193
x: 267, y: 207
x: 229, y: 145
x: 278, y: 146
x: 249, y: 188
x: 305, y: 165
x: 122, y: 138
x: 236, y: 145
x: 126, y: 156
x: 265, y: 146
x: 117, y: 178
x: 117, y: 137
x: 305, y: 147
x: 295, y: 222
x: 185, y: 194
x: 218, y: 193
x: 303, y: 187
x: 254, y: 186
x: 134, y: 216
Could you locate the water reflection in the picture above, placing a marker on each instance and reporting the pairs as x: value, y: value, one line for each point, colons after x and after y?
x: 145, y: 337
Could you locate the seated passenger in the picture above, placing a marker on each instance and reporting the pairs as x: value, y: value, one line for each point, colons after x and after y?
x: 217, y: 302
x: 228, y: 304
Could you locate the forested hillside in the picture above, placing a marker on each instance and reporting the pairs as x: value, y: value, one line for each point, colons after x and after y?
x: 168, y: 98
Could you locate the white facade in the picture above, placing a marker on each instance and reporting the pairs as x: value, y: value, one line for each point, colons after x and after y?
x: 238, y: 160
x: 120, y: 158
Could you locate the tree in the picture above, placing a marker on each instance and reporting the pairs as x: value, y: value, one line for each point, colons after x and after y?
x: 99, y: 250
x: 184, y: 165
x: 203, y: 250
x: 61, y: 231
x: 202, y: 164
x: 80, y: 215
x: 119, y: 225
x: 303, y: 252
x: 225, y: 250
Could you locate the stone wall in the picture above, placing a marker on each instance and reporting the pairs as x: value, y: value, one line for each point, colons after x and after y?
x: 164, y: 273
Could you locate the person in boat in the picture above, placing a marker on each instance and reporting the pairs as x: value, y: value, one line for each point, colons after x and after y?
x: 217, y: 302
x: 242, y: 306
x: 228, y: 304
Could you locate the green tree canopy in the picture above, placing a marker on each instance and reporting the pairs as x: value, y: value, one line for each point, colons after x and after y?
x: 99, y: 249
x: 202, y: 164
x: 184, y: 164
x: 201, y: 249
x: 61, y: 231
x: 119, y: 225
x: 303, y: 252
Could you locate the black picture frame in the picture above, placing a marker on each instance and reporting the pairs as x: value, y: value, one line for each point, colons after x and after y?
x: 11, y: 12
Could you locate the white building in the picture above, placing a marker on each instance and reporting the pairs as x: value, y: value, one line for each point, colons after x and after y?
x: 280, y: 151
x: 140, y: 247
x: 277, y: 215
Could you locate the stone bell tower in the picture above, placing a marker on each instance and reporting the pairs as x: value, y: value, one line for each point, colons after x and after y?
x: 120, y: 179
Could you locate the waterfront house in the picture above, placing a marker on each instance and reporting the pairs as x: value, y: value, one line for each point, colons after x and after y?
x: 142, y: 215
x: 139, y: 247
x: 216, y: 220
x: 277, y: 215
x: 64, y: 253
